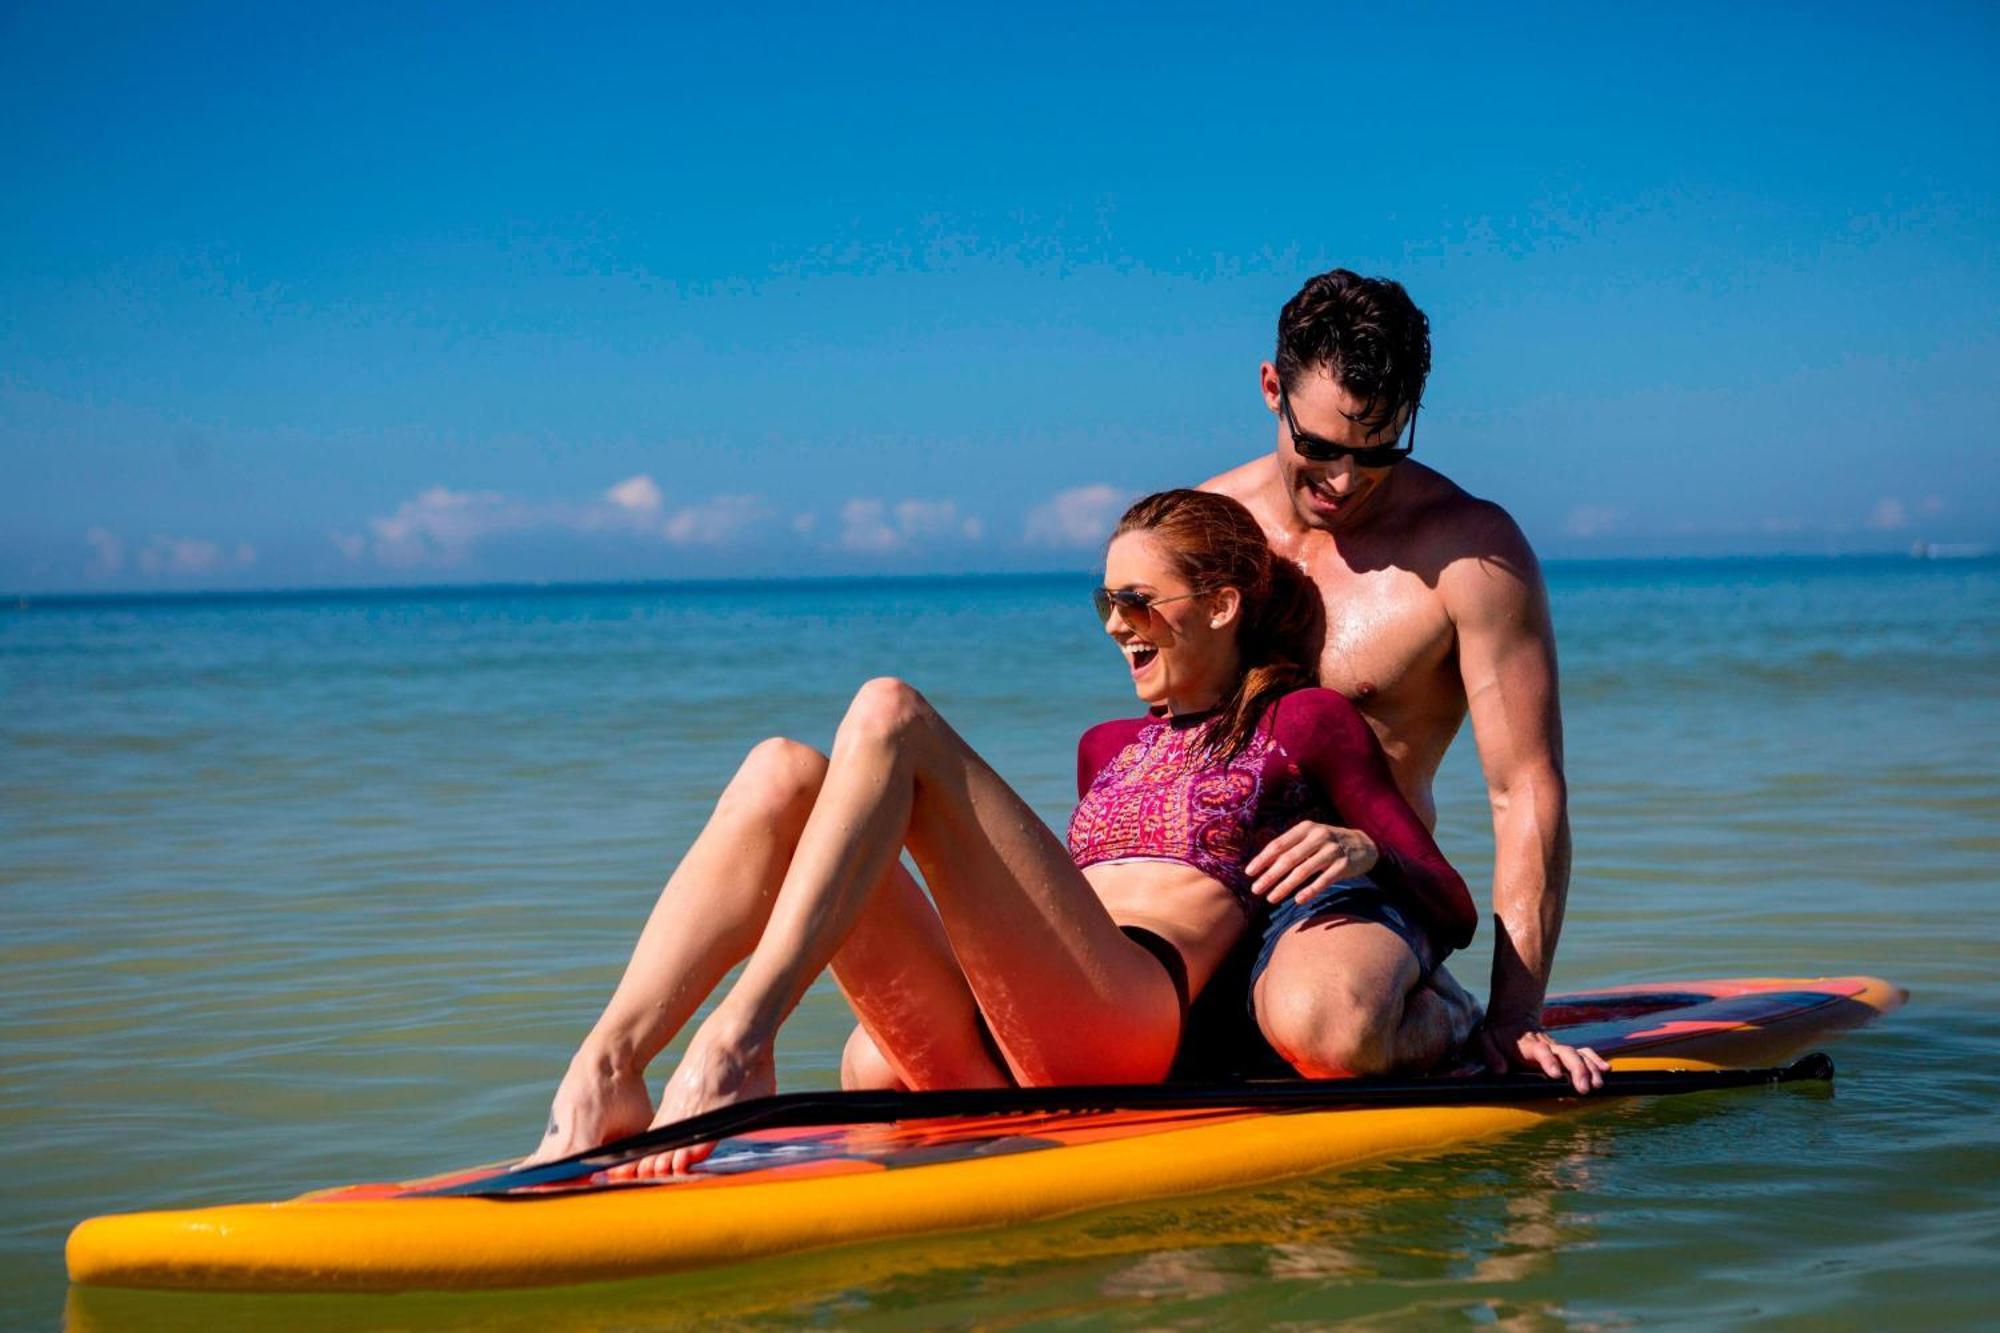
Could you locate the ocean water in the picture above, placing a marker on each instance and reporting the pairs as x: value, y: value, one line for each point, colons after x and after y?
x: 305, y: 890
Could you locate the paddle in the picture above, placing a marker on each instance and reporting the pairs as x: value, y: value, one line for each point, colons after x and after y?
x: 800, y: 1110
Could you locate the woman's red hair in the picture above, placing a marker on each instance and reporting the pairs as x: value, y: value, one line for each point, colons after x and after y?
x: 1214, y: 543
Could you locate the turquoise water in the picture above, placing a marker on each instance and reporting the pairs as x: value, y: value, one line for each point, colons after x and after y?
x: 302, y: 891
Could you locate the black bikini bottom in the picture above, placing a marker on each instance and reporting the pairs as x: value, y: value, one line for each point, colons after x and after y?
x: 1155, y: 944
x: 1170, y: 958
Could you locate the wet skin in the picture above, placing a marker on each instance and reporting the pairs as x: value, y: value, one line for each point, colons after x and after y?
x: 1435, y: 610
x: 798, y: 868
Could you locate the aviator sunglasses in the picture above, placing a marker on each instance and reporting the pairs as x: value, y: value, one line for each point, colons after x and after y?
x: 1135, y: 606
x: 1316, y: 450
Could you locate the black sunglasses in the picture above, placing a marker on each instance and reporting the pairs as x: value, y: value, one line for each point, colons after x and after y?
x: 1316, y: 450
x: 1133, y: 604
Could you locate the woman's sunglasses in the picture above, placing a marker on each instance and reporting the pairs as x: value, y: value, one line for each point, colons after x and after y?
x: 1316, y: 450
x: 1133, y: 605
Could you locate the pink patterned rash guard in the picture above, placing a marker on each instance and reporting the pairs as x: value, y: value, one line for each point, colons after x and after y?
x: 1145, y: 791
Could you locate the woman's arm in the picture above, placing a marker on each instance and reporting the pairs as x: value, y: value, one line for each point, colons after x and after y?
x: 1337, y: 751
x: 1099, y: 746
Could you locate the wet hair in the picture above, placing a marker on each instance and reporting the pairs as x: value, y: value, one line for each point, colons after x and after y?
x: 1213, y: 543
x: 1366, y: 332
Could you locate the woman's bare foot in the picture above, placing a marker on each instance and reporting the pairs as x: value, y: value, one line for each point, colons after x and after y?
x: 597, y: 1101
x: 713, y: 1073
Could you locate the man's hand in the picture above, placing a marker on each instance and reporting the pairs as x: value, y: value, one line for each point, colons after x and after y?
x: 1518, y: 1044
x: 1306, y: 858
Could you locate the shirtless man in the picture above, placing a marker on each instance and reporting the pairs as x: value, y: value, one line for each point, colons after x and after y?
x: 1434, y: 609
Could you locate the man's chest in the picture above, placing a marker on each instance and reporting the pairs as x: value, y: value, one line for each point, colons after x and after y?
x: 1388, y: 641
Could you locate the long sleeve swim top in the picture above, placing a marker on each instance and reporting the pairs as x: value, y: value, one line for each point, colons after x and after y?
x: 1146, y: 790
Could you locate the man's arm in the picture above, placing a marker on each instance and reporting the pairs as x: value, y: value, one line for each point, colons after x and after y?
x: 1507, y: 661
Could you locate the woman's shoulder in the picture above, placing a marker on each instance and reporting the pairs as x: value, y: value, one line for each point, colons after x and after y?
x: 1316, y: 700
x: 1115, y: 729
x: 1315, y: 709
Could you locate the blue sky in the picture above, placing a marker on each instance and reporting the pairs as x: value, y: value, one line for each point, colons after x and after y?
x: 350, y: 295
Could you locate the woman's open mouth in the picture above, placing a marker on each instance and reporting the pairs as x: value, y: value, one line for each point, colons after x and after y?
x: 1140, y: 655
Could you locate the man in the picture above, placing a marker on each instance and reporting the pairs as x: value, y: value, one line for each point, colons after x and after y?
x: 1435, y: 608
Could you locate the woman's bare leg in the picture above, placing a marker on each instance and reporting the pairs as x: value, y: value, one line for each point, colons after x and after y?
x: 902, y: 978
x: 707, y: 920
x: 897, y: 969
x: 863, y: 1067
x: 1067, y: 994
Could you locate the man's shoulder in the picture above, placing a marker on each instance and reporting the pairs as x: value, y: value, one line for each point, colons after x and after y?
x: 1437, y: 502
x: 1484, y: 564
x: 1454, y: 525
x: 1246, y: 482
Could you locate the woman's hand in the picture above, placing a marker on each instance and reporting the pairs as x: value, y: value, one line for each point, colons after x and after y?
x: 1308, y: 857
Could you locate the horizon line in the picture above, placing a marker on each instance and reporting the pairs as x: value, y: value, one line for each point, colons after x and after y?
x: 25, y: 601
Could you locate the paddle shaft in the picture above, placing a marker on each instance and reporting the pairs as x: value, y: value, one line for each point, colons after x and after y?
x: 802, y: 1110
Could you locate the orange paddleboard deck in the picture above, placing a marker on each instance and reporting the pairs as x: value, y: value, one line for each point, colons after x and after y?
x: 776, y: 1191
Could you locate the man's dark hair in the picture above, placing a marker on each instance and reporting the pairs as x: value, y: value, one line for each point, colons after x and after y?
x: 1367, y: 332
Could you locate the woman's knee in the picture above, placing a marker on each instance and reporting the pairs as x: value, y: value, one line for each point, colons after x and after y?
x: 776, y: 783
x: 884, y: 708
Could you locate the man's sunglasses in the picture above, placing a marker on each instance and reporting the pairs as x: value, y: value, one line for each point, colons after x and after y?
x: 1316, y: 450
x: 1135, y: 606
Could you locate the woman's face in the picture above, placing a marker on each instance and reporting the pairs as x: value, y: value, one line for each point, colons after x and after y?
x: 1182, y: 650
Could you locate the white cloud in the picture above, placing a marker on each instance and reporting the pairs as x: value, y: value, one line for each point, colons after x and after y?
x: 1590, y: 521
x: 871, y: 525
x: 171, y: 556
x: 1888, y: 515
x: 637, y: 495
x: 862, y: 527
x: 165, y: 557
x: 924, y: 520
x: 441, y: 526
x: 107, y: 552
x: 444, y: 528
x: 716, y: 522
x: 1082, y: 516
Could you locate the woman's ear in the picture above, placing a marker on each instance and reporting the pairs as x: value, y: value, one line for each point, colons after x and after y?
x: 1224, y: 606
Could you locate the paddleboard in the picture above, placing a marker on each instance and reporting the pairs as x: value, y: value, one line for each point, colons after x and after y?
x: 778, y: 1191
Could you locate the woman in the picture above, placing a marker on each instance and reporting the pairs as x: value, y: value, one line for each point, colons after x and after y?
x: 1029, y: 962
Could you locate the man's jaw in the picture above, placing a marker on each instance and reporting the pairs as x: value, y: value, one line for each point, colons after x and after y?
x: 1322, y: 506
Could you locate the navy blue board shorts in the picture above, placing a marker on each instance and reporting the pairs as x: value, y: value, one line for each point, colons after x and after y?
x: 1222, y: 1039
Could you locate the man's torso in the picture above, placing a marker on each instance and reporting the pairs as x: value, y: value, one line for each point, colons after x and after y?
x: 1390, y: 644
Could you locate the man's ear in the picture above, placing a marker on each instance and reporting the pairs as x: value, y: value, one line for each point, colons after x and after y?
x: 1267, y: 380
x: 1224, y: 606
